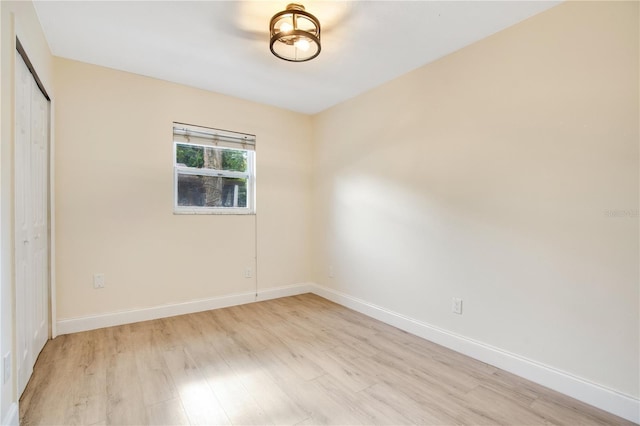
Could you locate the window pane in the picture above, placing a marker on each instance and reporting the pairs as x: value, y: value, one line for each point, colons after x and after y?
x: 211, y: 191
x: 200, y: 157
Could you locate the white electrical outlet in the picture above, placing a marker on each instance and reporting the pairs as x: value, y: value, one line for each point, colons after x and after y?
x: 6, y: 368
x: 330, y: 271
x: 98, y: 281
x: 248, y: 272
x: 456, y: 306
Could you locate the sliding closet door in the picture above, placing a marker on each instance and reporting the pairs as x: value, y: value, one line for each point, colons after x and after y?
x: 24, y: 273
x: 31, y: 221
x: 40, y: 216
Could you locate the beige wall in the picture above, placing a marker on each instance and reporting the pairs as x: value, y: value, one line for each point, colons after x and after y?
x: 488, y: 175
x: 16, y: 19
x: 114, y: 189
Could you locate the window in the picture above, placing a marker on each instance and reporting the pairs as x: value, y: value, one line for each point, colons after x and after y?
x: 213, y: 171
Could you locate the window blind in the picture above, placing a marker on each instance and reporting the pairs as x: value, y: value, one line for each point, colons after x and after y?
x: 184, y: 133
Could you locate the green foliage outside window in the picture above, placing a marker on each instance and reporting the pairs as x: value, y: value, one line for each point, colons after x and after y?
x: 234, y: 160
x: 193, y: 156
x: 190, y: 156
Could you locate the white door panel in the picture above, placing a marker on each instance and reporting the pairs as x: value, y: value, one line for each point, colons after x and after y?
x: 22, y: 237
x: 39, y: 200
x: 31, y: 221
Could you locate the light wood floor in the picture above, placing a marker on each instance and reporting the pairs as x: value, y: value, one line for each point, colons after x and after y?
x: 296, y: 360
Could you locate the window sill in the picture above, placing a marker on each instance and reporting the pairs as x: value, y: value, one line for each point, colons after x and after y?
x: 238, y: 212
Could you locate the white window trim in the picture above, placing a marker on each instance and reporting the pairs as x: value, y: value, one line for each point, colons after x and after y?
x: 250, y: 176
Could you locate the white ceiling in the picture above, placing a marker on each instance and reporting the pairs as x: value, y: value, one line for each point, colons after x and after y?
x: 222, y: 46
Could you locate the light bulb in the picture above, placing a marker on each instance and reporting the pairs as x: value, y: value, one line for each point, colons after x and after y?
x: 285, y: 27
x: 302, y: 44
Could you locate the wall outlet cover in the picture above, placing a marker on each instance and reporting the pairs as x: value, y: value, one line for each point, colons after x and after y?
x: 456, y: 306
x: 98, y: 281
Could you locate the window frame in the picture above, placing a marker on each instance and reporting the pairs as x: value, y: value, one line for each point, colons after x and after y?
x: 249, y: 175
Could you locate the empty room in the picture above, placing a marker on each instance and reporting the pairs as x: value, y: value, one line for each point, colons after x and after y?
x: 324, y: 212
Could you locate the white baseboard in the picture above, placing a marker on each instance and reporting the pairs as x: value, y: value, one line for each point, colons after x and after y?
x: 285, y: 291
x: 599, y: 396
x: 11, y: 417
x: 93, y: 322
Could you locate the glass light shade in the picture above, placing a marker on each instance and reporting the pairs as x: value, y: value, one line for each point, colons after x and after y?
x: 295, y: 34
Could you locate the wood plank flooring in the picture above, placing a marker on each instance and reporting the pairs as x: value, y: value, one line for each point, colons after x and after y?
x: 297, y: 360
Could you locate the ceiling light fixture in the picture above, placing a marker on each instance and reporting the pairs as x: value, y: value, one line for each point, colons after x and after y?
x: 295, y: 34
